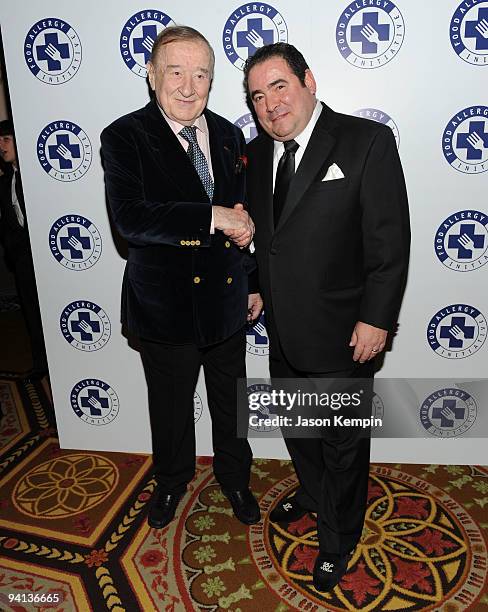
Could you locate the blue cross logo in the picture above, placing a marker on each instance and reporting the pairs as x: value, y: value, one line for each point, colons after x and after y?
x: 94, y: 402
x: 52, y: 51
x: 255, y: 36
x: 468, y: 236
x: 369, y: 32
x: 448, y: 410
x: 478, y: 30
x: 475, y: 140
x: 75, y: 243
x: 63, y: 151
x: 457, y: 332
x: 258, y: 331
x: 145, y: 44
x: 85, y: 326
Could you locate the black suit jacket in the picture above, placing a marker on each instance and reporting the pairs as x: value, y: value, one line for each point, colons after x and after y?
x: 15, y: 238
x: 181, y: 284
x: 340, y: 252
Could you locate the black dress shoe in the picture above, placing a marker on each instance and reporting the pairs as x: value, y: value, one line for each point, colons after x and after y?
x: 287, y: 511
x: 328, y: 570
x: 163, y: 508
x: 245, y: 506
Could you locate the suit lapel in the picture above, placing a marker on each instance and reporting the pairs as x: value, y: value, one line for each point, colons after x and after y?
x: 222, y: 155
x: 171, y: 156
x: 264, y: 172
x: 20, y: 192
x: 318, y: 150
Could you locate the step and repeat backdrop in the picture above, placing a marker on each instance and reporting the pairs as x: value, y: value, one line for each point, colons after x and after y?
x: 420, y: 68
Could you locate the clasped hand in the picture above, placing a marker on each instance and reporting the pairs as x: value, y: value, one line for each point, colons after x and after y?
x: 235, y: 223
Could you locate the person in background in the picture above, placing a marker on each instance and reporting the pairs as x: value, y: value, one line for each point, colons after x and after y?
x: 14, y: 235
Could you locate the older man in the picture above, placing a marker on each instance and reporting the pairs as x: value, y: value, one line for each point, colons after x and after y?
x: 327, y: 195
x: 175, y: 184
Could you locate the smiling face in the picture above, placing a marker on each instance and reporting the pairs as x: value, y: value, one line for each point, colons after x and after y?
x: 181, y: 79
x: 283, y: 105
x: 7, y: 149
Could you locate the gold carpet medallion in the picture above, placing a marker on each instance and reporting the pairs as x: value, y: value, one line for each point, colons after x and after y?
x: 420, y: 550
x: 65, y: 486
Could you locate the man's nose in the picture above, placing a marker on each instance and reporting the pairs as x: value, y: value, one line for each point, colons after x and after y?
x: 186, y: 86
x: 271, y: 101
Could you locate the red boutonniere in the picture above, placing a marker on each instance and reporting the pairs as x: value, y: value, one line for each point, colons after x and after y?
x: 241, y: 164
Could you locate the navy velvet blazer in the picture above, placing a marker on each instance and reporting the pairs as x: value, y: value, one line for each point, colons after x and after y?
x: 181, y: 284
x: 340, y: 252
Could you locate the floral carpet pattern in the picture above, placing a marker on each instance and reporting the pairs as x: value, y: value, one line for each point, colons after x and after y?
x: 74, y: 536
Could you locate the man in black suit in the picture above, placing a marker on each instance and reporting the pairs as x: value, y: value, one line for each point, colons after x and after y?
x: 175, y: 182
x: 327, y: 195
x: 14, y: 235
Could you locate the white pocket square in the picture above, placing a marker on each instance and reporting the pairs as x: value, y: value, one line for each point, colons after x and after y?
x: 333, y: 173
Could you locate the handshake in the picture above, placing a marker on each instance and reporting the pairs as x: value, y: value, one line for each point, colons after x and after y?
x: 235, y: 223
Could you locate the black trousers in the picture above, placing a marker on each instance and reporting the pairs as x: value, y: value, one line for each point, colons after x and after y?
x: 172, y: 374
x: 25, y: 281
x: 332, y: 470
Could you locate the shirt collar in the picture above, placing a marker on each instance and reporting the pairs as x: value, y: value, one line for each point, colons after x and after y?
x: 200, y: 123
x: 302, y: 138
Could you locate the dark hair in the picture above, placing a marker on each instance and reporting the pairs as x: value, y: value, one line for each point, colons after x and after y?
x: 176, y: 33
x: 6, y: 128
x: 289, y: 53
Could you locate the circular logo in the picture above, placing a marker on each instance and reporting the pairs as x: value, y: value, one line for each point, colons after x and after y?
x: 250, y: 27
x: 457, y: 331
x: 461, y: 241
x: 374, y: 114
x: 465, y: 140
x: 75, y: 242
x: 246, y: 124
x: 64, y: 151
x: 257, y: 337
x: 262, y: 411
x: 448, y: 412
x: 468, y: 32
x: 403, y: 513
x: 197, y: 407
x: 137, y: 38
x: 52, y: 51
x: 378, y: 411
x: 370, y: 36
x: 85, y: 326
x: 94, y: 401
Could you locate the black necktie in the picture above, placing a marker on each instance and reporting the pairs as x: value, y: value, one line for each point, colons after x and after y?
x: 284, y: 174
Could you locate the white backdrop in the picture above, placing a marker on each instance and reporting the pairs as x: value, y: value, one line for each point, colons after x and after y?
x: 419, y: 67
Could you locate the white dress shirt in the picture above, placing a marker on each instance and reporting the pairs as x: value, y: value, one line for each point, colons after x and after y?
x: 302, y: 140
x: 15, y: 200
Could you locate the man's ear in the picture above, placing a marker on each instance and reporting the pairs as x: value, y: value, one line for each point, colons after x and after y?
x: 310, y: 83
x: 150, y: 74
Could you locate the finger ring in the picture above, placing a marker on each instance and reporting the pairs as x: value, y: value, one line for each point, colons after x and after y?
x: 374, y: 350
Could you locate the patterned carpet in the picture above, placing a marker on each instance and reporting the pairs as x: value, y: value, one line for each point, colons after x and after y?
x: 74, y: 537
